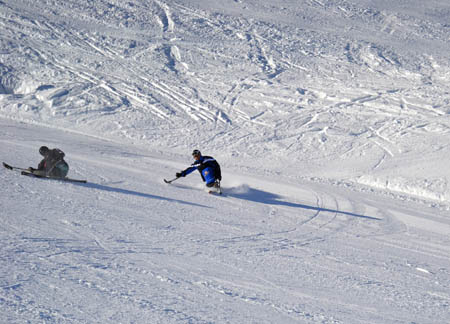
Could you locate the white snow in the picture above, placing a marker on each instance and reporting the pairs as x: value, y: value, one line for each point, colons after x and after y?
x: 330, y: 119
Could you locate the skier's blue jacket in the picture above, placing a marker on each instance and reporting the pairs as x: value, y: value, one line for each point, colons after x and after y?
x: 208, y: 167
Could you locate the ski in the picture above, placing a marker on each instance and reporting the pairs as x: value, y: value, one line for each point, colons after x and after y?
x: 29, y: 174
x: 217, y: 189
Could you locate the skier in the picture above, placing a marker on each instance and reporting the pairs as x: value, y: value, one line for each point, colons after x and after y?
x: 208, y: 167
x: 52, y: 165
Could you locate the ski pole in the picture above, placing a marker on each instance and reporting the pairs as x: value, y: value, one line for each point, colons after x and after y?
x: 170, y: 181
x: 13, y: 167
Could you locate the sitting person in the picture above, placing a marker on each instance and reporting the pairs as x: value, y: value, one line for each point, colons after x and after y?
x: 207, y: 166
x: 52, y: 165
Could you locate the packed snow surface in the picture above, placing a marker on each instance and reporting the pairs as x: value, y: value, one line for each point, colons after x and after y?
x: 331, y: 122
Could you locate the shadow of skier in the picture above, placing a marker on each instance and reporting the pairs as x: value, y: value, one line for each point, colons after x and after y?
x: 269, y: 198
x: 136, y: 193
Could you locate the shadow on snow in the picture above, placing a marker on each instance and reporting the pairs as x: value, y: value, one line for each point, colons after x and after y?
x: 265, y: 197
x: 136, y: 193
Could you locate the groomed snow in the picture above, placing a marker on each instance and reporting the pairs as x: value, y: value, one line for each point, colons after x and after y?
x: 330, y: 120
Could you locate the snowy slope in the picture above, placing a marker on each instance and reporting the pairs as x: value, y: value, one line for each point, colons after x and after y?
x: 127, y: 248
x: 330, y: 120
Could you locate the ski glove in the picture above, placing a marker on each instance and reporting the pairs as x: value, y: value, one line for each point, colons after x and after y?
x: 180, y: 174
